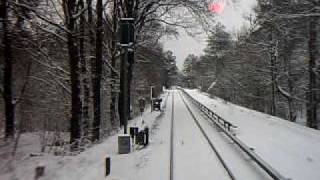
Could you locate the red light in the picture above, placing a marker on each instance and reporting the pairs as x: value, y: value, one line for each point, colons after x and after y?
x: 216, y: 7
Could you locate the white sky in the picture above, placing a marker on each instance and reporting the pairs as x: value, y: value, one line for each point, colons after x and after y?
x: 232, y: 18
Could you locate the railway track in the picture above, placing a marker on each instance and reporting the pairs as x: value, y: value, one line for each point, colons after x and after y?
x: 171, y: 140
x: 264, y: 172
x: 214, y: 149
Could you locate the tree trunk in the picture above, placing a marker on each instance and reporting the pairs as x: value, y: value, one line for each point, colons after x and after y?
x: 113, y: 64
x: 97, y: 73
x: 291, y: 117
x: 7, y: 70
x: 273, y: 78
x: 91, y: 60
x: 85, y: 75
x: 311, y: 94
x: 74, y: 75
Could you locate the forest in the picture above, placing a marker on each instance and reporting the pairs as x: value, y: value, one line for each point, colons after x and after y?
x: 271, y: 65
x: 61, y: 64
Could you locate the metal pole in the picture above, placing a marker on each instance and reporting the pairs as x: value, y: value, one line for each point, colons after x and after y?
x: 123, y: 89
x: 151, y: 97
x: 127, y: 43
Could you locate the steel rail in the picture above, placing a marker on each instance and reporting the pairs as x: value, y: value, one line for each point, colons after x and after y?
x: 171, y: 139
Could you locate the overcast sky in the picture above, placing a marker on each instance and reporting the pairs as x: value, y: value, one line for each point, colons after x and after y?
x: 231, y: 17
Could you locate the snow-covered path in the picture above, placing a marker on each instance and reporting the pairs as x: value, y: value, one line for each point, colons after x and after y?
x: 151, y: 162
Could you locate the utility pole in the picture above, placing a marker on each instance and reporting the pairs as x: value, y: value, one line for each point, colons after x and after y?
x: 126, y: 43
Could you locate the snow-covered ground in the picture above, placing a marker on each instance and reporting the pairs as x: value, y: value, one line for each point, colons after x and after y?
x: 292, y: 149
x: 147, y: 163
